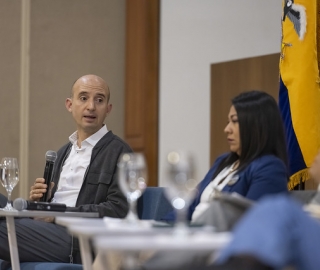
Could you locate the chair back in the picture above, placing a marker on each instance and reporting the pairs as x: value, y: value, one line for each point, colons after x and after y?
x: 153, y: 204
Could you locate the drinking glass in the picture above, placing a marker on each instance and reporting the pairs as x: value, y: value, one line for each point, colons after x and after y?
x: 9, y: 177
x: 132, y: 173
x: 181, y: 187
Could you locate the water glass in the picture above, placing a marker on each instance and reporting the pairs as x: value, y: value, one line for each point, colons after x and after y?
x: 181, y: 186
x: 132, y: 173
x: 9, y: 177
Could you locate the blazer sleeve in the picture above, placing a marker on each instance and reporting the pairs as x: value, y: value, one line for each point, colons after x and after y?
x: 266, y: 176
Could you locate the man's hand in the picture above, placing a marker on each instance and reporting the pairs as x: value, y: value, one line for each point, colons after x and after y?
x: 36, y: 193
x: 315, y: 169
x: 39, y: 188
x: 45, y: 219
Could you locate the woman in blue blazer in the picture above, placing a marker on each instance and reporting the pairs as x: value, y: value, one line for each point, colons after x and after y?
x: 257, y: 162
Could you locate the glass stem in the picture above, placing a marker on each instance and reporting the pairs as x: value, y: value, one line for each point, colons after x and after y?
x: 181, y: 228
x: 132, y: 215
x: 9, y: 197
x: 133, y: 207
x: 181, y: 215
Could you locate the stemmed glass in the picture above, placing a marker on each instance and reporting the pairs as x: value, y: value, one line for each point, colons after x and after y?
x: 132, y: 173
x: 9, y: 177
x: 181, y: 187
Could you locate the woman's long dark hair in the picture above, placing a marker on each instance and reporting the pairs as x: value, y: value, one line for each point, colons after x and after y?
x: 261, y: 129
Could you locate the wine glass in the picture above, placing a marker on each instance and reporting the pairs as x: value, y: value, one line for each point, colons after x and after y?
x: 132, y: 173
x: 181, y: 187
x: 9, y: 177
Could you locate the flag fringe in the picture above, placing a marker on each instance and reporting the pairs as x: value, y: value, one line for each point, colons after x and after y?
x: 295, y: 179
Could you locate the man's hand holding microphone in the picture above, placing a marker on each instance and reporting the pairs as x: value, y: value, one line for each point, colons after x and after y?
x: 40, y: 192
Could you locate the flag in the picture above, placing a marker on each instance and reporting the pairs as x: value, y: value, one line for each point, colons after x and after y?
x: 299, y: 94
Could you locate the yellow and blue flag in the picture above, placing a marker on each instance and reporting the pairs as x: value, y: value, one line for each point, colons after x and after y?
x: 299, y: 95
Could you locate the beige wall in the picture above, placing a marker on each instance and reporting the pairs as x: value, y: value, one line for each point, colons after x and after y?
x: 67, y: 39
x: 9, y: 78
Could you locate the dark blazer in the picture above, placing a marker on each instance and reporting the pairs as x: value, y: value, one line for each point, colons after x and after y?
x: 265, y: 175
x: 99, y: 191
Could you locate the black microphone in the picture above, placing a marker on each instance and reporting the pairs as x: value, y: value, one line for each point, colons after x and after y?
x: 51, y: 157
x: 21, y: 204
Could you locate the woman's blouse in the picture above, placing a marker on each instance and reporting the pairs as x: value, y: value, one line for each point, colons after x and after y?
x: 216, y: 185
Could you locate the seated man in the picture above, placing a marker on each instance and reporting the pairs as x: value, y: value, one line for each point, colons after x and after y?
x: 84, y: 177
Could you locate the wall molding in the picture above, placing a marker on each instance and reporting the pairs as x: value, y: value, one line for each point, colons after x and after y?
x: 24, y: 99
x: 141, y: 86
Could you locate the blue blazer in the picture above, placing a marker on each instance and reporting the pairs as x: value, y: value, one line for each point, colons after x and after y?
x: 265, y: 175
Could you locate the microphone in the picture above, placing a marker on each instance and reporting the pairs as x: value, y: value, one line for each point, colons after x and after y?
x: 51, y: 157
x: 21, y: 204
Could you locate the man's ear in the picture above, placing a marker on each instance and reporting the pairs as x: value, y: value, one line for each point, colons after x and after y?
x: 109, y: 108
x: 68, y: 104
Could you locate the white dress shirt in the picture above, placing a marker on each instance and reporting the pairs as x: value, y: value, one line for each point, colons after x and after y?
x: 75, y: 166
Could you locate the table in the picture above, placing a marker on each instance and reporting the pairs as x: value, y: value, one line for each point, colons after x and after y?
x: 10, y: 215
x: 131, y: 246
x: 85, y: 229
x: 164, y: 242
x: 120, y: 237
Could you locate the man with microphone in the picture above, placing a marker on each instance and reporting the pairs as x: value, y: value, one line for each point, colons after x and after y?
x: 84, y: 178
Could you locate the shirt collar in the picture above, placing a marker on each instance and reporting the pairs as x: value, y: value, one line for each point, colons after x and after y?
x: 93, y: 139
